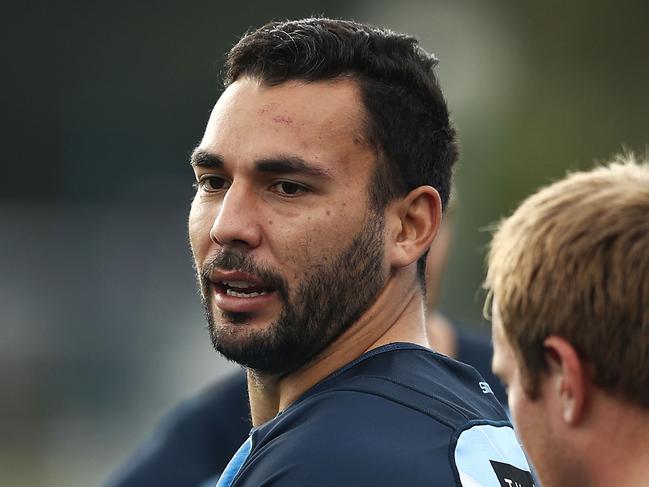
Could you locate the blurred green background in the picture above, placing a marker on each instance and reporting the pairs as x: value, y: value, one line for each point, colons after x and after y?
x: 101, y: 330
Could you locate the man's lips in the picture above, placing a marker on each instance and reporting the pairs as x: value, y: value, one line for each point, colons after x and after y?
x: 239, y: 292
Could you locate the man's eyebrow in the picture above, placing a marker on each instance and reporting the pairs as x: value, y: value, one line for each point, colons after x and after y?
x: 205, y: 159
x: 291, y: 165
x: 283, y: 164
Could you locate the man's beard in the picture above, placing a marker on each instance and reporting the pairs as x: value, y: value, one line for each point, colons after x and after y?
x: 328, y: 301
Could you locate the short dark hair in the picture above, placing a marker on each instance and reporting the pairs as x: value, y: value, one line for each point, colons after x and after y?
x: 408, y: 121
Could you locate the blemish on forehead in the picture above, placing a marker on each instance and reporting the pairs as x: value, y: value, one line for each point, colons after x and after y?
x: 283, y: 119
x: 267, y: 108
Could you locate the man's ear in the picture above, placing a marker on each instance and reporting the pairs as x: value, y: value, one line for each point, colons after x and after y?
x: 569, y: 378
x: 413, y: 222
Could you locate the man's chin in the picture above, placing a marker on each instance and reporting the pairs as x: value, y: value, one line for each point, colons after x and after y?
x: 236, y: 318
x: 255, y: 348
x: 242, y: 325
x: 249, y: 353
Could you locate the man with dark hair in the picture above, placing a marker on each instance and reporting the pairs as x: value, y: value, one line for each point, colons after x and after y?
x: 320, y: 180
x: 192, y: 444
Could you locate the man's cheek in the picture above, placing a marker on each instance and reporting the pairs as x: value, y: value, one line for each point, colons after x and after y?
x: 199, y: 227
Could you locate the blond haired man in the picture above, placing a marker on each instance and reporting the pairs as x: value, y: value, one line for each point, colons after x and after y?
x: 569, y: 277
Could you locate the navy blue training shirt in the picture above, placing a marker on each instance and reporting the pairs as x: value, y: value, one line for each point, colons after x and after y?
x: 398, y: 415
x: 194, y: 442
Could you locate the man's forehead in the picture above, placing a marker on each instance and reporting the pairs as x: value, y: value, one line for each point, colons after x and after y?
x: 318, y: 122
x: 496, y: 323
x: 495, y: 312
x: 500, y: 355
x: 334, y: 105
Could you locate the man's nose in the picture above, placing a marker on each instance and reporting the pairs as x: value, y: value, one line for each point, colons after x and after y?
x: 236, y: 222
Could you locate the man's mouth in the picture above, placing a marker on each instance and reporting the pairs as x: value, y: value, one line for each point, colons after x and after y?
x: 240, y: 292
x: 242, y: 289
x: 235, y: 290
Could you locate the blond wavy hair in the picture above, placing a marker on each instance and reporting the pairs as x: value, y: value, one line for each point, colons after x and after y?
x: 573, y: 261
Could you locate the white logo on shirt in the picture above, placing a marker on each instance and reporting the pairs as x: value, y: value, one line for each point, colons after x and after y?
x: 486, y: 388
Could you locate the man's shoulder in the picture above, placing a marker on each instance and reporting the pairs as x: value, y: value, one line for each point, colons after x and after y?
x: 419, y: 379
x: 350, y: 437
x: 397, y: 415
x: 474, y: 348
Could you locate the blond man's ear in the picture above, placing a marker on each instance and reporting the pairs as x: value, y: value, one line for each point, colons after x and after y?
x: 569, y: 379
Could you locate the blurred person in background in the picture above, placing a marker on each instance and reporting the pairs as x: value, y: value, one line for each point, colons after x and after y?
x: 321, y: 180
x: 568, y: 280
x: 194, y: 443
x: 467, y: 344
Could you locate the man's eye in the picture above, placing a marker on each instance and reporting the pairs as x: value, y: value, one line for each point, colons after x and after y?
x: 288, y: 188
x: 213, y: 183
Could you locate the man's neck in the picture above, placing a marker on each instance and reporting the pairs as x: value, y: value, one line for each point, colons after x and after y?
x: 441, y: 334
x: 396, y: 316
x: 617, y: 453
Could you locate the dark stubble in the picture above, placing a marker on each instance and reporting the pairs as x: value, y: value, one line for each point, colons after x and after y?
x: 329, y: 300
